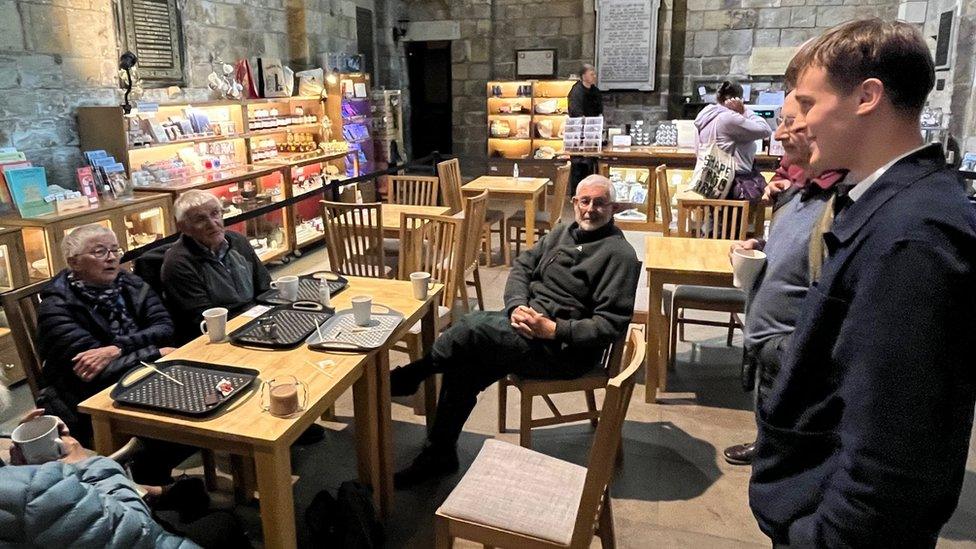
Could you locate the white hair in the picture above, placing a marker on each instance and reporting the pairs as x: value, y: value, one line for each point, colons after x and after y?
x: 598, y: 181
x: 75, y: 243
x: 191, y: 199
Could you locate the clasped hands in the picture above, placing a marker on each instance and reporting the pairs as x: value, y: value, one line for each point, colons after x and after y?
x: 90, y: 363
x: 532, y: 324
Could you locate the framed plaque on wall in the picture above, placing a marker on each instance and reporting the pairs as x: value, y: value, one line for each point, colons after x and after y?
x: 535, y: 63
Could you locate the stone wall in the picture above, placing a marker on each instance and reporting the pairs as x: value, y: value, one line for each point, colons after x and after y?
x: 56, y: 55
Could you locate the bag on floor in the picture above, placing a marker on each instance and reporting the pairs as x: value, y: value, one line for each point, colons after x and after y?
x: 349, y: 522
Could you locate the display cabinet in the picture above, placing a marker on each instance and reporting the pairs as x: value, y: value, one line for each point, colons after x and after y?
x: 526, y: 119
x: 11, y: 370
x: 42, y: 236
x: 13, y: 264
x: 308, y: 178
x: 349, y: 108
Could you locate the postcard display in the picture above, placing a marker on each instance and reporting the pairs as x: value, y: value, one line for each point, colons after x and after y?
x: 248, y: 154
x: 350, y: 107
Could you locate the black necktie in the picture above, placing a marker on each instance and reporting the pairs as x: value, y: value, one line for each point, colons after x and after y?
x: 843, y: 199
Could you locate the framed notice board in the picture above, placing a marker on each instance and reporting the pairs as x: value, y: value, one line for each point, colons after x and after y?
x: 626, y: 44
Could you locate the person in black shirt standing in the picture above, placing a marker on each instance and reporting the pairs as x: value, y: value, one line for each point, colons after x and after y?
x: 584, y: 100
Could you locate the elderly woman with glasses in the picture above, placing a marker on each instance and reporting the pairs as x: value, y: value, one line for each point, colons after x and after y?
x: 95, y: 322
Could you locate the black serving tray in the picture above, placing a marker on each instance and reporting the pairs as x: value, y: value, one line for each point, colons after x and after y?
x: 308, y: 288
x: 157, y: 392
x: 293, y: 324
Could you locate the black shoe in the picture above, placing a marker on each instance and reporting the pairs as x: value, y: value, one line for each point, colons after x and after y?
x: 405, y: 380
x: 313, y: 434
x: 740, y: 454
x: 187, y: 496
x: 432, y: 463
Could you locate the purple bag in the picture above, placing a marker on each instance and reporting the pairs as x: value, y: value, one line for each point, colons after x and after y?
x: 748, y: 186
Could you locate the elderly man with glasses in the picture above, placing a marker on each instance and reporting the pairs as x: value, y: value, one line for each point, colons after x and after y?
x: 95, y: 323
x: 566, y: 300
x: 208, y: 266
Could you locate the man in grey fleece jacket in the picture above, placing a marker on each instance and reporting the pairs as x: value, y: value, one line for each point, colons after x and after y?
x: 566, y: 300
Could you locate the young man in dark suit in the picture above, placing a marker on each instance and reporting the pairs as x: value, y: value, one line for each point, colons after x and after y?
x: 864, y: 436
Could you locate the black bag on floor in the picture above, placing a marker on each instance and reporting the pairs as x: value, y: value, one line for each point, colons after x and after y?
x: 348, y: 522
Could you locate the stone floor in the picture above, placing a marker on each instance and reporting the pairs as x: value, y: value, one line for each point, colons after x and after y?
x: 673, y: 489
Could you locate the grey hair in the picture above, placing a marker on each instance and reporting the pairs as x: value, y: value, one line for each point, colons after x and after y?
x: 191, y: 199
x: 586, y: 67
x: 599, y: 181
x: 74, y: 243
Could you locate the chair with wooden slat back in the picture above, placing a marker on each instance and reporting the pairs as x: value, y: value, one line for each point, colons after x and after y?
x: 354, y: 239
x: 432, y: 244
x: 553, y: 213
x: 714, y: 219
x: 415, y: 190
x: 449, y: 174
x: 708, y: 218
x: 485, y: 505
x: 475, y: 210
x: 533, y: 387
x: 21, y: 306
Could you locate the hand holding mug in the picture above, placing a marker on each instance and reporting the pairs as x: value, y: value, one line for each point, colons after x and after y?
x: 735, y: 104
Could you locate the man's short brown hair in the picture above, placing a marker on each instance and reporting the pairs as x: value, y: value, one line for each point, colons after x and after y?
x: 893, y: 52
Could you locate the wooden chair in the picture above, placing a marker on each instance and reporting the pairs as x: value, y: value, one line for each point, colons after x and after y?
x: 354, y: 239
x: 475, y: 210
x: 415, y: 190
x: 449, y: 172
x: 547, y: 219
x: 705, y: 218
x: 664, y: 199
x: 489, y: 503
x: 21, y: 307
x: 433, y: 244
x: 532, y: 387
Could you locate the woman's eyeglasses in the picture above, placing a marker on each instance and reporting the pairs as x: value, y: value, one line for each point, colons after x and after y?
x: 102, y: 253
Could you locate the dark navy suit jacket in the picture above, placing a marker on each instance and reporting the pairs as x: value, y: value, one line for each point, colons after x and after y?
x: 863, y: 440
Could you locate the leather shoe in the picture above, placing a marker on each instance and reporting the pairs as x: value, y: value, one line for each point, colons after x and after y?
x: 433, y: 462
x: 740, y: 454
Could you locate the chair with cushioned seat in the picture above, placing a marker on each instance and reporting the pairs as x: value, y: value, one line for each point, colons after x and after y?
x: 547, y: 219
x: 515, y: 497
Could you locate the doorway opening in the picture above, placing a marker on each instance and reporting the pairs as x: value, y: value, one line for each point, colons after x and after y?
x: 429, y: 71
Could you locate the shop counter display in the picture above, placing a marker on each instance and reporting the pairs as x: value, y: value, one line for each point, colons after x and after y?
x: 136, y: 221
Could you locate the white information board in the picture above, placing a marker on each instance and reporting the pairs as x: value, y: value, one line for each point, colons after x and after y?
x: 626, y: 44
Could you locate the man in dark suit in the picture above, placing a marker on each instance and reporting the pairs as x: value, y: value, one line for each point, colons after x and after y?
x: 864, y: 436
x: 585, y: 99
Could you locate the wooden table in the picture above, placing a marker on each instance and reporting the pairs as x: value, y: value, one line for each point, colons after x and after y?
x: 530, y: 189
x: 243, y: 429
x: 672, y: 260
x: 391, y: 216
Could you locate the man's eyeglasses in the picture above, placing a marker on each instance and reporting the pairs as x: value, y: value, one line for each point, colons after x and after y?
x: 102, y: 252
x: 786, y: 121
x: 586, y: 202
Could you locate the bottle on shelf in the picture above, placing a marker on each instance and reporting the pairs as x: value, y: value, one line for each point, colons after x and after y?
x: 515, y: 172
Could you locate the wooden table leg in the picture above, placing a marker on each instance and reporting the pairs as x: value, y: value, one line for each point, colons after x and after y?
x: 656, y: 345
x: 366, y: 408
x: 277, y: 497
x: 428, y: 331
x: 384, y: 433
x: 530, y: 222
x: 105, y: 441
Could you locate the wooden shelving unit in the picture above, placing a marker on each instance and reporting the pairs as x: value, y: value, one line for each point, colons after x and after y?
x: 534, y: 112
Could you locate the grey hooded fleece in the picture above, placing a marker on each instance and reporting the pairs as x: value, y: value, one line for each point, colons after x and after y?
x: 734, y: 133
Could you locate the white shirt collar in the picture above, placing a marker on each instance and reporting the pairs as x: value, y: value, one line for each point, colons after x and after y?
x: 862, y: 186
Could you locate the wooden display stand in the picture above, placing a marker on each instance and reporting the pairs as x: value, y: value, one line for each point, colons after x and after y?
x: 143, y: 214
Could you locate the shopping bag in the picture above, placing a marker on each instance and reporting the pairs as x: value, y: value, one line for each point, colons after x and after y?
x: 714, y: 172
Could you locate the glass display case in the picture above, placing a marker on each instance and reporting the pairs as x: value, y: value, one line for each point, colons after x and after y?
x: 13, y: 266
x: 306, y: 215
x: 267, y: 233
x: 42, y: 236
x: 635, y: 185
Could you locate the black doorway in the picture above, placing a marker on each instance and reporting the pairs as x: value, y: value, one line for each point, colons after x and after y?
x: 429, y: 70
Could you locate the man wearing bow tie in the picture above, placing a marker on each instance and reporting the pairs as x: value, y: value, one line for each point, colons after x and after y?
x: 567, y: 299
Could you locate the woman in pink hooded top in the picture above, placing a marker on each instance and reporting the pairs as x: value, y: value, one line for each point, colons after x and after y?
x: 735, y: 130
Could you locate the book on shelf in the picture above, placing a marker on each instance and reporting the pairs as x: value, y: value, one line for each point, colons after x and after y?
x: 28, y: 186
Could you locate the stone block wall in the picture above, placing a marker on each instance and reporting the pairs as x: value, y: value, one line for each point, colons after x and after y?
x: 56, y: 55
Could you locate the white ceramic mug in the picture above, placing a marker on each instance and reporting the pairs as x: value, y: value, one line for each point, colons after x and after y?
x: 746, y: 266
x: 214, y: 324
x: 421, y: 284
x: 287, y: 287
x: 39, y: 440
x: 362, y: 307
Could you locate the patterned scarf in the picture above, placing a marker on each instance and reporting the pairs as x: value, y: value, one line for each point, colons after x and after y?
x: 106, y: 301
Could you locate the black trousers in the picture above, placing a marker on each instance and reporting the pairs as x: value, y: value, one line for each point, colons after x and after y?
x: 478, y: 350
x: 578, y: 170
